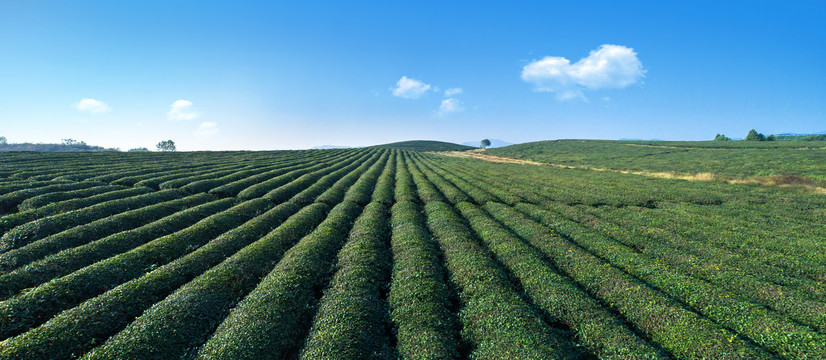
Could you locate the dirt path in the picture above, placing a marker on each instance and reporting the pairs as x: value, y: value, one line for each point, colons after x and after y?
x: 476, y: 154
x: 780, y: 181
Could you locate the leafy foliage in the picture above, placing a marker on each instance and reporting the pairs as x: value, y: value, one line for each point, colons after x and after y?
x: 390, y: 253
x: 166, y: 145
x: 753, y: 135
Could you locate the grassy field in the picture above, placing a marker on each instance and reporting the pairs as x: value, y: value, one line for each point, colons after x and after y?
x: 739, y: 159
x: 392, y: 253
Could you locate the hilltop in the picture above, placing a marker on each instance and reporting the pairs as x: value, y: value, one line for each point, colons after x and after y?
x: 494, y: 143
x: 424, y: 145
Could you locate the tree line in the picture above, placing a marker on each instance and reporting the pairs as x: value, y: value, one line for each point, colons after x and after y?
x: 753, y: 135
x: 74, y: 145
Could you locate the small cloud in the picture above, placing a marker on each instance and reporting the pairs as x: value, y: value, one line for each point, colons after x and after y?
x: 181, y: 110
x: 606, y: 98
x: 453, y: 91
x: 92, y: 106
x: 566, y: 95
x: 610, y: 66
x: 207, y: 128
x: 450, y: 105
x: 410, y: 88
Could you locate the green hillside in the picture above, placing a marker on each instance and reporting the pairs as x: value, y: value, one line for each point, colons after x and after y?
x: 424, y: 145
x: 393, y: 254
x: 726, y: 158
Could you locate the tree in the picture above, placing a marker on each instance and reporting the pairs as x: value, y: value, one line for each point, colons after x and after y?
x: 771, y: 138
x: 485, y: 143
x: 166, y: 145
x: 753, y: 135
x: 138, y: 149
x: 3, y: 140
x: 721, y: 137
x: 73, y: 142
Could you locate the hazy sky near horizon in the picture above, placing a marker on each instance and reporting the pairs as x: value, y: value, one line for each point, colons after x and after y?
x: 224, y: 75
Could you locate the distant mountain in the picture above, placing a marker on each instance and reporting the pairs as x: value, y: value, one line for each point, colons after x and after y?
x: 330, y: 147
x: 494, y: 143
x: 424, y: 145
x: 627, y: 139
x: 796, y: 134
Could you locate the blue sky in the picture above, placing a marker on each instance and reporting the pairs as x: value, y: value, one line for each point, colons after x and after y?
x: 221, y: 75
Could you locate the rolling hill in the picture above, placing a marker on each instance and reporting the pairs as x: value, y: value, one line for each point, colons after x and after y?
x: 424, y: 145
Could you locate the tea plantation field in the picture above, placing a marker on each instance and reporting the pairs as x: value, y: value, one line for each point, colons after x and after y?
x: 737, y: 159
x: 386, y: 253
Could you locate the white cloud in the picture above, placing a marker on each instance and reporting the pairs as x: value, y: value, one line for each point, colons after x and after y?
x: 610, y: 66
x: 450, y: 105
x: 565, y: 95
x: 181, y: 110
x: 92, y: 106
x: 410, y: 88
x: 453, y: 91
x: 207, y: 128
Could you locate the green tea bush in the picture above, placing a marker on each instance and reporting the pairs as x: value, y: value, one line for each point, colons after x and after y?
x: 97, y: 229
x: 212, y: 174
x: 134, y: 177
x: 595, y: 327
x: 46, y: 199
x: 300, y: 176
x: 453, y: 194
x: 9, y: 201
x: 384, y: 192
x: 420, y: 298
x: 496, y: 320
x: 364, y: 175
x: 34, y: 307
x: 10, y: 221
x: 183, y: 321
x: 363, y: 190
x: 351, y: 320
x: 43, y: 227
x: 272, y: 320
x: 426, y: 191
x: 324, y: 184
x: 774, y: 332
x: 16, y: 185
x: 405, y: 188
x: 208, y: 184
x: 235, y: 187
x: 689, y: 256
x: 155, y: 182
x: 72, y: 259
x: 682, y: 332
